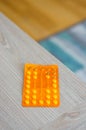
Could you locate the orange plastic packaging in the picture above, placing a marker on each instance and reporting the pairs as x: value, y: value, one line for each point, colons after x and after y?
x: 41, y: 86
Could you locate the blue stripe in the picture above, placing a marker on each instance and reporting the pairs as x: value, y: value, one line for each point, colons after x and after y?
x: 63, y: 56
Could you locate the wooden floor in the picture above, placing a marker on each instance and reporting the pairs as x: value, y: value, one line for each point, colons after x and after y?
x: 41, y: 18
x: 14, y: 53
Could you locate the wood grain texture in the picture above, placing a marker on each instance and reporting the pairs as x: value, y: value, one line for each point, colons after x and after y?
x: 74, y: 119
x: 16, y: 49
x: 41, y: 18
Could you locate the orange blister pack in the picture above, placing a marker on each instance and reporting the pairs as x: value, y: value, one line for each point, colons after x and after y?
x: 41, y: 86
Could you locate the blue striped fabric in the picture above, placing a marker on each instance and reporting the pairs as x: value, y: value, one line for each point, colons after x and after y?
x: 69, y: 47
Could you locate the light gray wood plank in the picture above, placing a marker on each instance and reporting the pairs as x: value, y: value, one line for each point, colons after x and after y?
x: 16, y: 49
x: 74, y: 119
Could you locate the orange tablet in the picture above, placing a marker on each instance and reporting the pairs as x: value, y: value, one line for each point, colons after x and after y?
x: 41, y: 86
